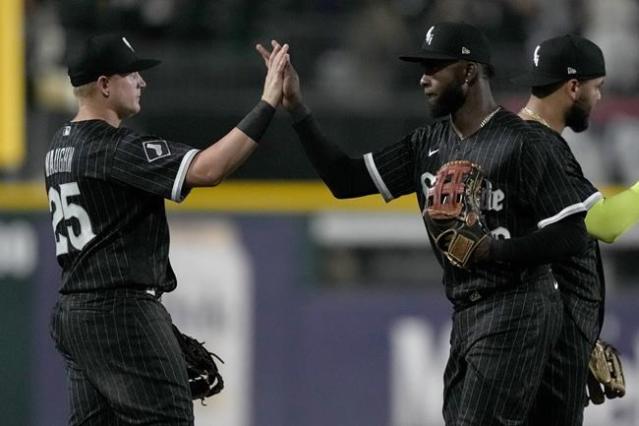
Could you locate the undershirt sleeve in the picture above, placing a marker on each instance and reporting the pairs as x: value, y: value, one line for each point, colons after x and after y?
x: 558, y: 240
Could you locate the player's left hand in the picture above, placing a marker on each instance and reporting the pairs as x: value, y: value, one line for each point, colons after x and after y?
x: 274, y: 81
x: 291, y: 89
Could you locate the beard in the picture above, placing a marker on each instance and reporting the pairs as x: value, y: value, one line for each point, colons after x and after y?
x: 578, y: 116
x: 449, y: 101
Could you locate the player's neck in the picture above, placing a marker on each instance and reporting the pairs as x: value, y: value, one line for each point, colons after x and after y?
x: 474, y: 114
x: 88, y: 111
x: 544, y: 112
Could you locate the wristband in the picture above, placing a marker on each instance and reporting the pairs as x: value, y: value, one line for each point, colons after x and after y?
x: 255, y: 123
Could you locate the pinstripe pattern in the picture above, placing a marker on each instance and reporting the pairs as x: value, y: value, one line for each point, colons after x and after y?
x: 497, y: 346
x: 123, y: 195
x: 117, y: 344
x: 560, y: 400
x: 501, y: 339
x: 582, y: 286
x: 528, y: 183
x: 106, y: 189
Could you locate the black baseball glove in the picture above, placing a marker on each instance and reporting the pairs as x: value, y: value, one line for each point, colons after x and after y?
x: 605, y: 375
x: 204, y: 377
x: 452, y: 214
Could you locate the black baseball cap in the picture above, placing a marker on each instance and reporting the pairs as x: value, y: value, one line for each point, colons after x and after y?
x: 105, y: 54
x: 452, y: 41
x: 561, y: 59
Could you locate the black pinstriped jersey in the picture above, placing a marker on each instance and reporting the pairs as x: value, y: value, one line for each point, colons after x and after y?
x: 528, y: 188
x: 106, y: 188
x: 580, y: 278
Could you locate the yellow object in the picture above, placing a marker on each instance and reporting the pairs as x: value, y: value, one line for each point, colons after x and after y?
x: 239, y: 196
x: 12, y: 84
x: 612, y: 216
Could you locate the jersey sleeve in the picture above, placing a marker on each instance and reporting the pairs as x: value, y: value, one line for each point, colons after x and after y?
x: 152, y: 164
x: 586, y: 191
x: 392, y: 168
x: 548, y: 187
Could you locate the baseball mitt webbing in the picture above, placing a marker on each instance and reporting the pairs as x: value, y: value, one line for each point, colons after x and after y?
x: 453, y: 216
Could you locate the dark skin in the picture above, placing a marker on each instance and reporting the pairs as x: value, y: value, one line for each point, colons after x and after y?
x: 458, y: 88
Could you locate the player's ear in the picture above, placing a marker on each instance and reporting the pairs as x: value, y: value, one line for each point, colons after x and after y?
x: 103, y: 86
x: 472, y: 72
x: 572, y: 87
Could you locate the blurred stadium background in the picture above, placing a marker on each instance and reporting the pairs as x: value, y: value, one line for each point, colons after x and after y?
x: 326, y: 312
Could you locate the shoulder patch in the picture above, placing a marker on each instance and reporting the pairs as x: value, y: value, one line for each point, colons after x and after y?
x: 156, y: 149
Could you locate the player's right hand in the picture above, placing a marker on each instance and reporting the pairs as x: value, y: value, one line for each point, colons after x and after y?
x: 274, y: 81
x: 291, y: 89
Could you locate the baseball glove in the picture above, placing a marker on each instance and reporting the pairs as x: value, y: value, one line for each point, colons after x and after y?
x: 452, y: 214
x: 605, y: 376
x: 204, y: 377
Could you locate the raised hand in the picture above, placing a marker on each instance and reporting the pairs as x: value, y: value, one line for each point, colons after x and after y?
x: 273, y: 83
x: 291, y: 88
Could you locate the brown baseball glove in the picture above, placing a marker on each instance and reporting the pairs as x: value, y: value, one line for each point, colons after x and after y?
x: 452, y: 214
x: 605, y: 376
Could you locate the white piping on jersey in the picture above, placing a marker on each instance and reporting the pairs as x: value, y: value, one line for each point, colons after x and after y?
x: 176, y: 193
x: 377, y: 178
x: 572, y: 209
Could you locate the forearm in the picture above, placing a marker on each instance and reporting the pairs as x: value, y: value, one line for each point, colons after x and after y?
x: 212, y: 165
x: 346, y: 177
x: 559, y: 240
x: 611, y: 217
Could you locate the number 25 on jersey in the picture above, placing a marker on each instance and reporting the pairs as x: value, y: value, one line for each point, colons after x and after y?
x: 63, y: 210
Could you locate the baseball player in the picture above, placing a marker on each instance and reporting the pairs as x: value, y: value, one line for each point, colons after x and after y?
x: 106, y: 186
x: 566, y: 76
x: 506, y: 314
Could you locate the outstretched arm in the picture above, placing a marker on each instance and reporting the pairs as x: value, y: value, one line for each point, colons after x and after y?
x: 611, y: 217
x: 212, y: 165
x: 559, y: 240
x: 346, y: 177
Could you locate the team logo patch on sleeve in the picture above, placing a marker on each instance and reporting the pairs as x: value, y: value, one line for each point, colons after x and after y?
x: 156, y: 149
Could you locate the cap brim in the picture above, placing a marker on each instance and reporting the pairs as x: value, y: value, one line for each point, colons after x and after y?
x: 531, y: 80
x: 422, y: 56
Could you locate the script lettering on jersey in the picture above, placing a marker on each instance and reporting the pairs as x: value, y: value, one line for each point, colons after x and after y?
x: 58, y: 161
x: 491, y: 199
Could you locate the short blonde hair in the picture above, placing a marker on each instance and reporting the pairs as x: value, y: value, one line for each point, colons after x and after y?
x: 84, y: 91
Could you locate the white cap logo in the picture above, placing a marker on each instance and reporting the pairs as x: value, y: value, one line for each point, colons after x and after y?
x: 125, y: 41
x: 429, y: 35
x: 536, y: 56
x: 465, y: 50
x: 571, y: 70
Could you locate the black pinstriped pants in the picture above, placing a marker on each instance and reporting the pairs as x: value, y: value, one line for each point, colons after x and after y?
x: 124, y: 365
x: 499, y: 348
x: 561, y: 397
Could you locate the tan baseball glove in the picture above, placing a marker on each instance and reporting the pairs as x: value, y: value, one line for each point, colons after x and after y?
x: 605, y: 376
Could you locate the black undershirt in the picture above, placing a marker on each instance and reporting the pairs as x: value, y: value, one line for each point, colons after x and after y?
x: 562, y: 239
